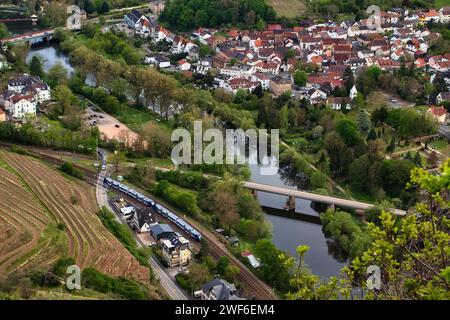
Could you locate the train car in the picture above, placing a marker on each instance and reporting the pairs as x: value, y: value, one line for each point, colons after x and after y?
x: 180, y: 222
x: 172, y: 217
x: 108, y: 181
x: 165, y: 212
x: 158, y: 208
x: 196, y: 235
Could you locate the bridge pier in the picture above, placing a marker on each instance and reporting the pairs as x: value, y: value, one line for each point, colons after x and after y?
x: 290, y: 204
x: 255, y: 193
x: 331, y: 207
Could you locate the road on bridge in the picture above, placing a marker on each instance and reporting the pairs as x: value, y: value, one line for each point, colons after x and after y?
x: 314, y: 197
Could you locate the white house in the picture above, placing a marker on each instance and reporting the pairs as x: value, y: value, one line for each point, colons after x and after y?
x: 353, y: 92
x: 183, y: 65
x: 18, y: 105
x: 263, y: 79
x: 338, y: 103
x: 444, y: 14
x: 159, y: 61
x: 135, y: 20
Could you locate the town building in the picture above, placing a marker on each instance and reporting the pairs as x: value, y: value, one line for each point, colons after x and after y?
x: 30, y: 85
x: 279, y: 85
x: 161, y: 231
x: 18, y: 105
x: 175, y: 251
x: 438, y: 113
x: 142, y: 220
x: 219, y: 289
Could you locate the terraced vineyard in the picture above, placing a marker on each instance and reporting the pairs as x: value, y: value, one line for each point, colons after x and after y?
x: 68, y: 201
x: 25, y: 237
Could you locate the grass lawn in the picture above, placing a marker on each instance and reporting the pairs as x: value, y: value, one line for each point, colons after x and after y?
x: 156, y: 162
x: 135, y: 118
x: 441, y: 3
x: 288, y: 8
x: 441, y: 145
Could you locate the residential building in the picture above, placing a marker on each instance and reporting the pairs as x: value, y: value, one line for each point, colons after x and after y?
x: 175, y: 251
x: 219, y: 289
x: 279, y: 85
x: 161, y: 231
x: 142, y: 220
x: 26, y: 84
x: 438, y: 113
x: 338, y: 103
x: 18, y: 105
x: 2, y: 115
x: 443, y: 96
x: 183, y: 65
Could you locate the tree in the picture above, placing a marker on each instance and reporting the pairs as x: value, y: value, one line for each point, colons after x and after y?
x: 274, y: 269
x: 300, y: 77
x: 349, y: 80
x: 116, y: 158
x: 364, y: 174
x: 64, y: 97
x: 306, y: 286
x: 55, y: 15
x: 433, y: 159
x: 348, y: 131
x: 36, y: 66
x: 3, y: 30
x: 363, y: 121
x: 372, y: 135
x: 104, y: 7
x: 395, y: 175
x: 340, y: 155
x: 58, y: 74
x: 158, y: 140
x: 199, y: 275
x: 413, y: 251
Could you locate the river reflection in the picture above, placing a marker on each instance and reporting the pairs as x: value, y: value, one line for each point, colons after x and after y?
x: 51, y: 55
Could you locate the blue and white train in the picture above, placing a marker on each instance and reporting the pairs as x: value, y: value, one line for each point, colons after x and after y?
x: 156, y: 206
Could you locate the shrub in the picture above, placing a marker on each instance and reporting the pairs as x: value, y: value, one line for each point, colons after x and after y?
x: 60, y: 267
x: 70, y: 170
x: 123, y: 287
x: 124, y: 234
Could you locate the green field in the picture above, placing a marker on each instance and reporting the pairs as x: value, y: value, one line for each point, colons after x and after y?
x: 288, y: 8
x: 441, y: 3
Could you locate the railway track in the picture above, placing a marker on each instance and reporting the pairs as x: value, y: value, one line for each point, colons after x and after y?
x: 257, y: 287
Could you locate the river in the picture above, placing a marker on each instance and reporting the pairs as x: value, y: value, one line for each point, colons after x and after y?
x: 51, y: 55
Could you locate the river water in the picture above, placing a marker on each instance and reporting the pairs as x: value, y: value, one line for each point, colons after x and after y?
x: 51, y: 55
x: 19, y: 27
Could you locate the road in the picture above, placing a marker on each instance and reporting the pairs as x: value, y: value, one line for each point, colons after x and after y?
x: 314, y: 197
x: 165, y: 280
x: 445, y: 131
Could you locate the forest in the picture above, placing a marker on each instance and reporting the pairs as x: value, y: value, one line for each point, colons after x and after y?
x: 184, y: 15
